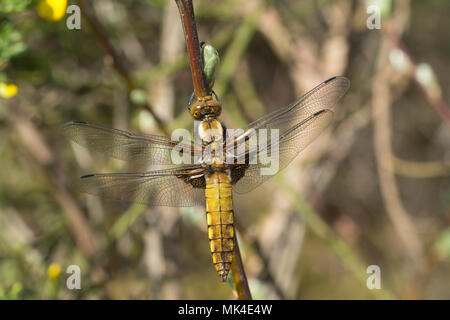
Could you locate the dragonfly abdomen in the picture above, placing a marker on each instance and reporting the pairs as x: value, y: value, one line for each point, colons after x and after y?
x: 219, y: 217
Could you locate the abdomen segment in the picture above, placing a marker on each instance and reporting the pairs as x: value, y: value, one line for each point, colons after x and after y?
x: 219, y: 217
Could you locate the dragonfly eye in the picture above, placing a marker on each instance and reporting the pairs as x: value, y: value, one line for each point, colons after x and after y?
x: 191, y: 99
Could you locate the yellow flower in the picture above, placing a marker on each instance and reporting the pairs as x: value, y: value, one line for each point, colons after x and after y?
x: 52, y: 10
x: 8, y: 90
x: 54, y: 270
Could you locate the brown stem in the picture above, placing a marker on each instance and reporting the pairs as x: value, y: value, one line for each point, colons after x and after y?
x: 381, y: 104
x: 239, y: 276
x: 117, y: 62
x: 186, y: 9
x: 268, y: 276
x: 106, y: 46
x: 201, y: 89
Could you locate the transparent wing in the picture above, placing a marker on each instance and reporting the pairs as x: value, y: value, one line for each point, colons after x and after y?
x: 322, y: 97
x: 254, y: 172
x: 298, y: 125
x: 177, y: 187
x: 148, y: 149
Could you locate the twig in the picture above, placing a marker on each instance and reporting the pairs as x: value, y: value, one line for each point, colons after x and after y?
x: 201, y: 89
x: 106, y: 46
x: 265, y: 261
x: 236, y: 49
x: 416, y: 169
x: 117, y: 62
x: 232, y: 59
x: 381, y: 102
x: 323, y: 231
x: 239, y: 276
x: 193, y: 47
x: 39, y: 149
x: 435, y: 101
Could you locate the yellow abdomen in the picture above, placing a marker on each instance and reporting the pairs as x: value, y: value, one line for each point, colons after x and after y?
x: 219, y: 217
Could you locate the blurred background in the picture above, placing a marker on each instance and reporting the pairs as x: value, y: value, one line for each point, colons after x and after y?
x: 374, y: 189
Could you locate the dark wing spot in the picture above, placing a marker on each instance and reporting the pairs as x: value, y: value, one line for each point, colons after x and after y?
x: 237, y: 172
x: 318, y: 112
x: 198, y: 182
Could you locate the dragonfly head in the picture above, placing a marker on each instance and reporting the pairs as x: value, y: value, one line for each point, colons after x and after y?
x: 205, y: 107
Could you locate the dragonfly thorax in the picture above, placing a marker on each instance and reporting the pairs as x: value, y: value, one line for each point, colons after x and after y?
x: 211, y: 133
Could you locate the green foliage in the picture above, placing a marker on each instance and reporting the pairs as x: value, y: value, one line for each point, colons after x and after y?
x: 64, y: 75
x: 13, y: 6
x: 11, y: 293
x: 442, y: 244
x: 384, y: 5
x: 11, y: 42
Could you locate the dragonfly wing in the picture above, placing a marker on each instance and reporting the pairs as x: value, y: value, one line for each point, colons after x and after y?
x: 148, y: 149
x: 298, y: 125
x: 177, y: 187
x: 322, y: 97
x: 289, y: 146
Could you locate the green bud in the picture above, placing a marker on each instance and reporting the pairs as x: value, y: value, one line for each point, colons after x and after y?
x: 211, y: 59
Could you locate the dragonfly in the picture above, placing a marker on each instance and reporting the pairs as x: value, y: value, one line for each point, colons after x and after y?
x: 228, y: 163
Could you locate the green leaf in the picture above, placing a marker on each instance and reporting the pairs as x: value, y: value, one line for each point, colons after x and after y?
x: 11, y: 6
x: 11, y: 43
